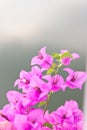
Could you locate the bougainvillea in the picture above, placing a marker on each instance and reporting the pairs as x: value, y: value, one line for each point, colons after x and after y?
x: 28, y: 109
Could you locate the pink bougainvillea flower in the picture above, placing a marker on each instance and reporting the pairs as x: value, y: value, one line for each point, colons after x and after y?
x: 19, y: 103
x: 69, y: 116
x: 12, y: 108
x: 42, y: 59
x: 38, y: 90
x: 25, y: 77
x: 35, y: 95
x: 67, y: 60
x: 59, y: 116
x: 55, y: 83
x: 38, y: 82
x: 73, y: 106
x: 77, y: 114
x: 51, y: 118
x: 65, y: 115
x: 24, y: 80
x: 75, y: 79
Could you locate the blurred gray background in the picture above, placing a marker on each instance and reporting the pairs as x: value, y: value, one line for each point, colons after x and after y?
x: 26, y: 26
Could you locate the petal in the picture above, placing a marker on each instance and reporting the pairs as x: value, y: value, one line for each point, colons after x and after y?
x: 19, y: 121
x: 43, y: 51
x: 17, y: 82
x: 13, y: 96
x: 75, y: 56
x: 24, y: 74
x: 69, y: 70
x: 36, y: 71
x: 66, y: 61
x: 47, y: 77
x: 35, y: 60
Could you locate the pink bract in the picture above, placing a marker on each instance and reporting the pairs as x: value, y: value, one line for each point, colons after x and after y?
x: 75, y: 79
x: 67, y: 60
x: 42, y: 59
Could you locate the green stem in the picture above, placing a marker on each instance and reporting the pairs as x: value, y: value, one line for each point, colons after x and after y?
x: 47, y: 102
x: 57, y: 69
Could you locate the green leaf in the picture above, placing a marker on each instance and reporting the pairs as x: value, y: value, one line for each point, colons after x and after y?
x: 67, y: 54
x: 42, y: 103
x: 50, y: 71
x: 48, y: 125
x: 53, y: 54
x: 56, y: 56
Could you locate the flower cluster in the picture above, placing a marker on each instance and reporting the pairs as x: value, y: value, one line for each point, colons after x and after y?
x: 28, y: 108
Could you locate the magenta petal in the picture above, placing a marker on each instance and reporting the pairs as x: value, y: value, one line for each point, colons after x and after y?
x: 36, y: 71
x: 69, y: 70
x: 22, y: 73
x: 25, y: 74
x: 49, y: 59
x: 35, y: 60
x: 19, y: 121
x: 17, y: 82
x: 43, y: 51
x: 33, y: 115
x: 75, y: 56
x: 66, y: 61
x: 47, y: 77
x: 13, y: 96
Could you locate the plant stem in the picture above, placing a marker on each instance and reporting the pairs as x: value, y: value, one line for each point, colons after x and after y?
x: 47, y: 102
